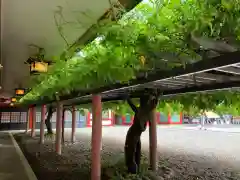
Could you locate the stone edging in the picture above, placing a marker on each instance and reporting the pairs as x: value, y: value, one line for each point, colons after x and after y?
x: 30, y: 174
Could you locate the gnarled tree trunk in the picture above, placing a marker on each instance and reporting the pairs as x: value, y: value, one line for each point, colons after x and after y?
x: 132, y: 150
x: 48, y: 120
x: 63, y: 125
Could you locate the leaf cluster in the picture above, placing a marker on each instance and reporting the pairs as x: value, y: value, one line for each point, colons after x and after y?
x: 221, y: 102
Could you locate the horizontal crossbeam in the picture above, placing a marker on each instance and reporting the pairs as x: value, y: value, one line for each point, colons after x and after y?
x: 156, y: 79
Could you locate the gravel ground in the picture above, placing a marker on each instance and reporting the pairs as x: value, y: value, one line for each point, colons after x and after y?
x: 183, y: 154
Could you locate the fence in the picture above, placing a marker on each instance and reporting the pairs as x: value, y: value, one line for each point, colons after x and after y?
x: 175, y: 118
x: 80, y: 119
x: 16, y: 119
x: 236, y: 120
x: 13, y: 118
x: 107, y: 118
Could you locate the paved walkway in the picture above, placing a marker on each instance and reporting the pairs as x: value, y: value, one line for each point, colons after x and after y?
x: 13, y: 165
x: 209, y: 127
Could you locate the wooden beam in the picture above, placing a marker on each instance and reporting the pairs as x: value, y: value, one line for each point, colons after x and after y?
x: 217, y: 77
x: 230, y: 70
x: 167, y: 93
x: 161, y: 75
x: 156, y: 76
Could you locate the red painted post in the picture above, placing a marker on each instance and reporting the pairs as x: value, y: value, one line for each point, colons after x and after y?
x: 88, y: 119
x: 33, y: 133
x: 153, y: 141
x: 181, y: 118
x: 73, y: 137
x: 29, y: 114
x: 169, y: 118
x: 42, y: 126
x: 30, y: 117
x: 59, y: 128
x: 96, y: 137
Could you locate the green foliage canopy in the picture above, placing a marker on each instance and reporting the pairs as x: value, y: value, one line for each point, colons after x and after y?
x: 221, y: 102
x: 159, y: 31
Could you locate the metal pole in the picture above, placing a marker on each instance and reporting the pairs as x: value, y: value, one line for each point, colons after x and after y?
x: 42, y: 126
x: 59, y: 128
x: 153, y: 141
x: 96, y: 137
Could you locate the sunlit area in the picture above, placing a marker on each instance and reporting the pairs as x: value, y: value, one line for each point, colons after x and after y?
x: 120, y: 90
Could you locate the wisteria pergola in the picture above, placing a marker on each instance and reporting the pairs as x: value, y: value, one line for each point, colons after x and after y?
x: 217, y: 73
x: 208, y: 74
x: 221, y: 72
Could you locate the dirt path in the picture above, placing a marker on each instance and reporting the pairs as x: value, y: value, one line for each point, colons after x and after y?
x: 183, y: 154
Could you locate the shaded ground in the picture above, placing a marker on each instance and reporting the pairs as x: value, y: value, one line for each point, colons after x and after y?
x: 183, y: 154
x: 11, y: 166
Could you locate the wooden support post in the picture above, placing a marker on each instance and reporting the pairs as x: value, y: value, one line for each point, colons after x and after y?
x: 96, y: 137
x: 153, y: 141
x: 42, y: 126
x: 29, y: 114
x: 73, y: 137
x: 33, y: 133
x: 58, y: 128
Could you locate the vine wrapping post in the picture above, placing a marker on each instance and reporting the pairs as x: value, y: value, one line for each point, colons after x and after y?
x: 143, y: 113
x: 48, y: 120
x: 43, y: 112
